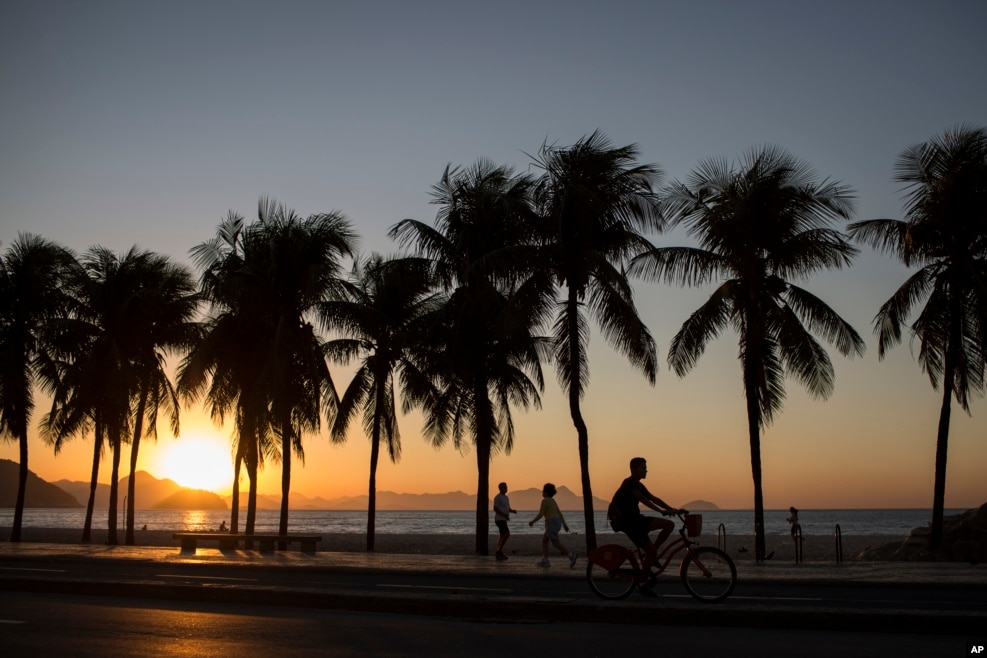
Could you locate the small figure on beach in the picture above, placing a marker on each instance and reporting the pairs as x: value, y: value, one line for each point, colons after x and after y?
x: 502, y: 514
x: 793, y: 518
x: 145, y: 527
x: 222, y: 526
x: 554, y: 522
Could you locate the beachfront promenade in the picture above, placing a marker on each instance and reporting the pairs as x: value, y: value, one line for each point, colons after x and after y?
x: 878, y: 596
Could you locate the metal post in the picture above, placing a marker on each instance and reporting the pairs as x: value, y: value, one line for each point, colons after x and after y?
x: 721, y: 538
x: 838, y: 536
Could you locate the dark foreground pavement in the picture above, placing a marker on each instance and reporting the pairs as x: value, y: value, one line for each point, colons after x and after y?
x: 92, y: 569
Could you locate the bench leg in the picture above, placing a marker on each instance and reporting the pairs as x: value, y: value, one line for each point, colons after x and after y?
x: 188, y: 545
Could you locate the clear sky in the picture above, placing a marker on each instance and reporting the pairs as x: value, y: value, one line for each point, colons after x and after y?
x: 135, y: 122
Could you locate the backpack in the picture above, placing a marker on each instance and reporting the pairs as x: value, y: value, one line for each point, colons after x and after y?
x: 613, y: 514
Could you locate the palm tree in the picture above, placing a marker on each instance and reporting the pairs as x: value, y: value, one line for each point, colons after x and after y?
x: 162, y: 323
x: 944, y: 233
x: 32, y: 294
x: 483, y: 353
x: 108, y: 360
x: 383, y: 325
x: 224, y: 366
x: 595, y: 201
x: 758, y: 227
x: 300, y: 262
x: 260, y: 355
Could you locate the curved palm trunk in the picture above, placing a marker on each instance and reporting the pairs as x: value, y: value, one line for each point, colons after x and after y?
x: 15, y: 532
x: 577, y: 420
x: 235, y: 500
x: 132, y: 483
x: 111, y: 536
x: 97, y: 450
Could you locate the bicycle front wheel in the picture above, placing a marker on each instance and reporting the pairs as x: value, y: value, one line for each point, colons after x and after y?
x: 612, y: 572
x: 708, y: 574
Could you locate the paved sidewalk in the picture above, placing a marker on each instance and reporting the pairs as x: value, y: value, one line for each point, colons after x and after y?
x: 854, y: 572
x: 970, y: 580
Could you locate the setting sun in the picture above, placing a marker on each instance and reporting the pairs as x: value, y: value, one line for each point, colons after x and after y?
x: 197, y: 462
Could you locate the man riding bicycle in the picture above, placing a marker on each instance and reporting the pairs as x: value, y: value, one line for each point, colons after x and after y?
x: 629, y: 519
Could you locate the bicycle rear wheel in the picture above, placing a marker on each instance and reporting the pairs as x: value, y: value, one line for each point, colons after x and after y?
x: 708, y: 574
x: 612, y: 571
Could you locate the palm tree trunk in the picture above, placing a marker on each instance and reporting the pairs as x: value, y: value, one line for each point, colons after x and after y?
x: 97, y: 449
x: 754, y: 428
x: 235, y: 499
x: 131, y: 491
x: 484, y: 445
x: 252, y: 457
x: 111, y: 536
x: 15, y: 532
x: 374, y: 458
x: 482, y: 496
x: 575, y: 386
x: 132, y: 483
x: 285, y: 483
x: 942, y: 442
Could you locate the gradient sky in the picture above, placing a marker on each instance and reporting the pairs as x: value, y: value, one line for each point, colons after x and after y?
x: 143, y: 123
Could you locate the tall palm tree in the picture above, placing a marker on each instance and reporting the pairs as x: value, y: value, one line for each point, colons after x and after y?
x: 108, y: 350
x: 944, y: 234
x: 163, y: 323
x: 483, y: 353
x: 301, y: 265
x: 758, y: 228
x: 384, y: 326
x: 223, y: 367
x: 32, y: 294
x: 596, y: 202
x: 260, y: 358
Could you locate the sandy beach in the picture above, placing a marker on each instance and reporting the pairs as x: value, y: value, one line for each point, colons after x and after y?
x: 816, y: 548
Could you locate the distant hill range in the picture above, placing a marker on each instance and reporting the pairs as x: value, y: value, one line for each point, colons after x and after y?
x: 152, y: 493
x: 526, y: 499
x: 37, y: 492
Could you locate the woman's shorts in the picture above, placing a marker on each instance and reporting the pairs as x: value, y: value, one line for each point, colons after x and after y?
x: 552, y: 528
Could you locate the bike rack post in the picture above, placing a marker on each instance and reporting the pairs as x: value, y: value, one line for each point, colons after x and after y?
x: 838, y: 536
x: 721, y: 538
x: 798, y: 544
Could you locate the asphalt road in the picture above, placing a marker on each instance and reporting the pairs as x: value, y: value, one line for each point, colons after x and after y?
x: 34, y: 624
x: 923, y: 609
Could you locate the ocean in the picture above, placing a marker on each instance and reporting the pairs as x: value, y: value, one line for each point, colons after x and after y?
x: 890, y: 522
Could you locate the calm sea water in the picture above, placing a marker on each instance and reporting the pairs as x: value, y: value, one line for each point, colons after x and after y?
x: 894, y: 522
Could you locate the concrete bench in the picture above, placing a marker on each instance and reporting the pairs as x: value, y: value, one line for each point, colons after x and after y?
x: 190, y: 540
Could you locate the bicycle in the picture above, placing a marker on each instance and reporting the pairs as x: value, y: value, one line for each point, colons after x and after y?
x: 708, y: 574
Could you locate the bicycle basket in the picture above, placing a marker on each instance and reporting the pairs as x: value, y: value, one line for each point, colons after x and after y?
x: 693, y: 524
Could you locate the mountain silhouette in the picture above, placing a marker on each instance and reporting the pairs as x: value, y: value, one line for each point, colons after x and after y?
x: 192, y: 499
x: 37, y: 492
x: 149, y: 491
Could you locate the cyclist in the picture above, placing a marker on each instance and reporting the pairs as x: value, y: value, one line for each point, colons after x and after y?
x: 635, y: 525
